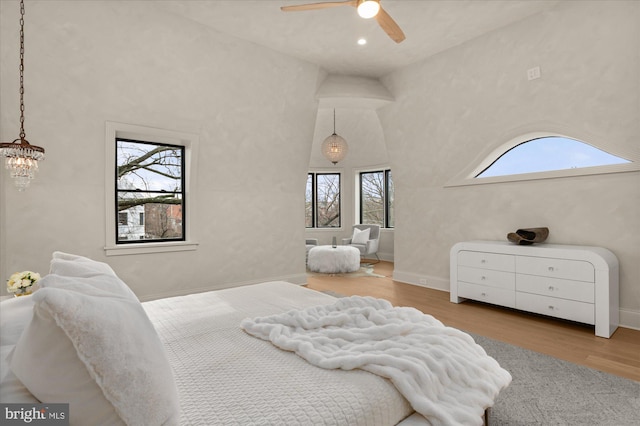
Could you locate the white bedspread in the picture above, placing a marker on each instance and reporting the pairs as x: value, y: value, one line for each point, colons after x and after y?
x: 443, y: 373
x: 227, y: 377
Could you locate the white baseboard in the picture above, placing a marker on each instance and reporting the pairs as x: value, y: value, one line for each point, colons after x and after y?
x: 388, y: 257
x: 427, y: 281
x: 628, y: 318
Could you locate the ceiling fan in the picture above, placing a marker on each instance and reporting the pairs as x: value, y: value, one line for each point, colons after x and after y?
x: 366, y: 9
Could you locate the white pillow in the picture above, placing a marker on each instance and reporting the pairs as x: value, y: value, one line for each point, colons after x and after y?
x: 71, y: 265
x: 12, y: 389
x: 360, y: 236
x: 91, y: 344
x: 15, y: 314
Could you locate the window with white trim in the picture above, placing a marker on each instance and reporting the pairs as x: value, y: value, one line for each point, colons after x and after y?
x: 148, y: 178
x: 549, y: 153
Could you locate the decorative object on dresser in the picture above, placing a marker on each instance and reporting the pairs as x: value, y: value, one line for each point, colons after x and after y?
x: 577, y: 283
x: 528, y: 236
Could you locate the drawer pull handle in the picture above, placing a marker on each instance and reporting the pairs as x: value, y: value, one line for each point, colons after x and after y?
x: 483, y: 278
x: 550, y: 288
x: 483, y: 261
x: 484, y: 294
x: 551, y: 269
x: 551, y: 307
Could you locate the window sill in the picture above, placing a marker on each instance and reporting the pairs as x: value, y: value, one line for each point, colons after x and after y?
x: 555, y: 174
x: 146, y: 248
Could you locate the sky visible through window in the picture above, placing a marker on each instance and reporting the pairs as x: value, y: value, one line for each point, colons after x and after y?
x: 161, y: 171
x: 547, y: 154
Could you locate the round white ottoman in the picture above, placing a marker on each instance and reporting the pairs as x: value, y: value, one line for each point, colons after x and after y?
x: 330, y: 260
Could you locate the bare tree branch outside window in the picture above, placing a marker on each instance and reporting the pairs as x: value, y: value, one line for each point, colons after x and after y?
x: 376, y: 198
x: 322, y: 200
x: 150, y: 187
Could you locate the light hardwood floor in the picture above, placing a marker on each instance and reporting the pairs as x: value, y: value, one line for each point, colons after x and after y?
x: 570, y: 341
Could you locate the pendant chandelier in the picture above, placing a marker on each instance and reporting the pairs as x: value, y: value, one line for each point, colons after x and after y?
x: 21, y: 158
x: 335, y: 148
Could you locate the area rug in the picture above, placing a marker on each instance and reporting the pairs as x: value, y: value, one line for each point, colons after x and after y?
x: 550, y: 391
x: 366, y: 270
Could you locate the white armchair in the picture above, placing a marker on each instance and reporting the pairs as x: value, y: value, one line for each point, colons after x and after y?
x: 365, y: 238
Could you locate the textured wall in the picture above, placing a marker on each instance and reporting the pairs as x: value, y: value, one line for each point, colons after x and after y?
x: 89, y: 62
x: 454, y: 106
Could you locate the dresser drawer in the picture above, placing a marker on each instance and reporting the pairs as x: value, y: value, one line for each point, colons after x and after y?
x: 577, y: 270
x: 487, y: 277
x: 554, y: 287
x: 493, y: 295
x: 560, y: 308
x: 496, y: 262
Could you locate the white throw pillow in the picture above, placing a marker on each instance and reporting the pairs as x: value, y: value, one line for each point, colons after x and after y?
x: 360, y: 236
x: 71, y: 265
x: 91, y: 344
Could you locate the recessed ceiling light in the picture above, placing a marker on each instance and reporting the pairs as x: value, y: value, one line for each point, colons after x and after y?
x: 362, y: 41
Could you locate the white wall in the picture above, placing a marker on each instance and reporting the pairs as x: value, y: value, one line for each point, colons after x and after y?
x: 89, y: 62
x: 451, y: 108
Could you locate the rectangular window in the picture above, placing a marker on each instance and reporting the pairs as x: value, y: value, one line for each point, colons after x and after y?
x: 322, y: 204
x: 149, y: 175
x: 376, y: 198
x: 150, y: 187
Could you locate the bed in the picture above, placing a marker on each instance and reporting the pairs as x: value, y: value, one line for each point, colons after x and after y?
x: 84, y: 338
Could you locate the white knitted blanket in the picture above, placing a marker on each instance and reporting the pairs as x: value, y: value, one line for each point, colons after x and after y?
x: 440, y: 370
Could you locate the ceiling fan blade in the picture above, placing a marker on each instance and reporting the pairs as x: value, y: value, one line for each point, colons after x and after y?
x: 389, y: 26
x: 314, y: 6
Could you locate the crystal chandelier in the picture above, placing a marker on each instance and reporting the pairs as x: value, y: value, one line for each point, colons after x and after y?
x: 21, y: 158
x: 334, y: 148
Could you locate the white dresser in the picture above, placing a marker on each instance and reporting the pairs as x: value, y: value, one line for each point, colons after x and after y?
x: 577, y: 283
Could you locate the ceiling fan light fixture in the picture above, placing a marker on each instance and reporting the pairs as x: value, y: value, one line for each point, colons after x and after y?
x: 368, y: 8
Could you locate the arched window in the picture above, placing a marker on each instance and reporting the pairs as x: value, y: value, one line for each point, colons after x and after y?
x: 546, y: 155
x: 549, y: 153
